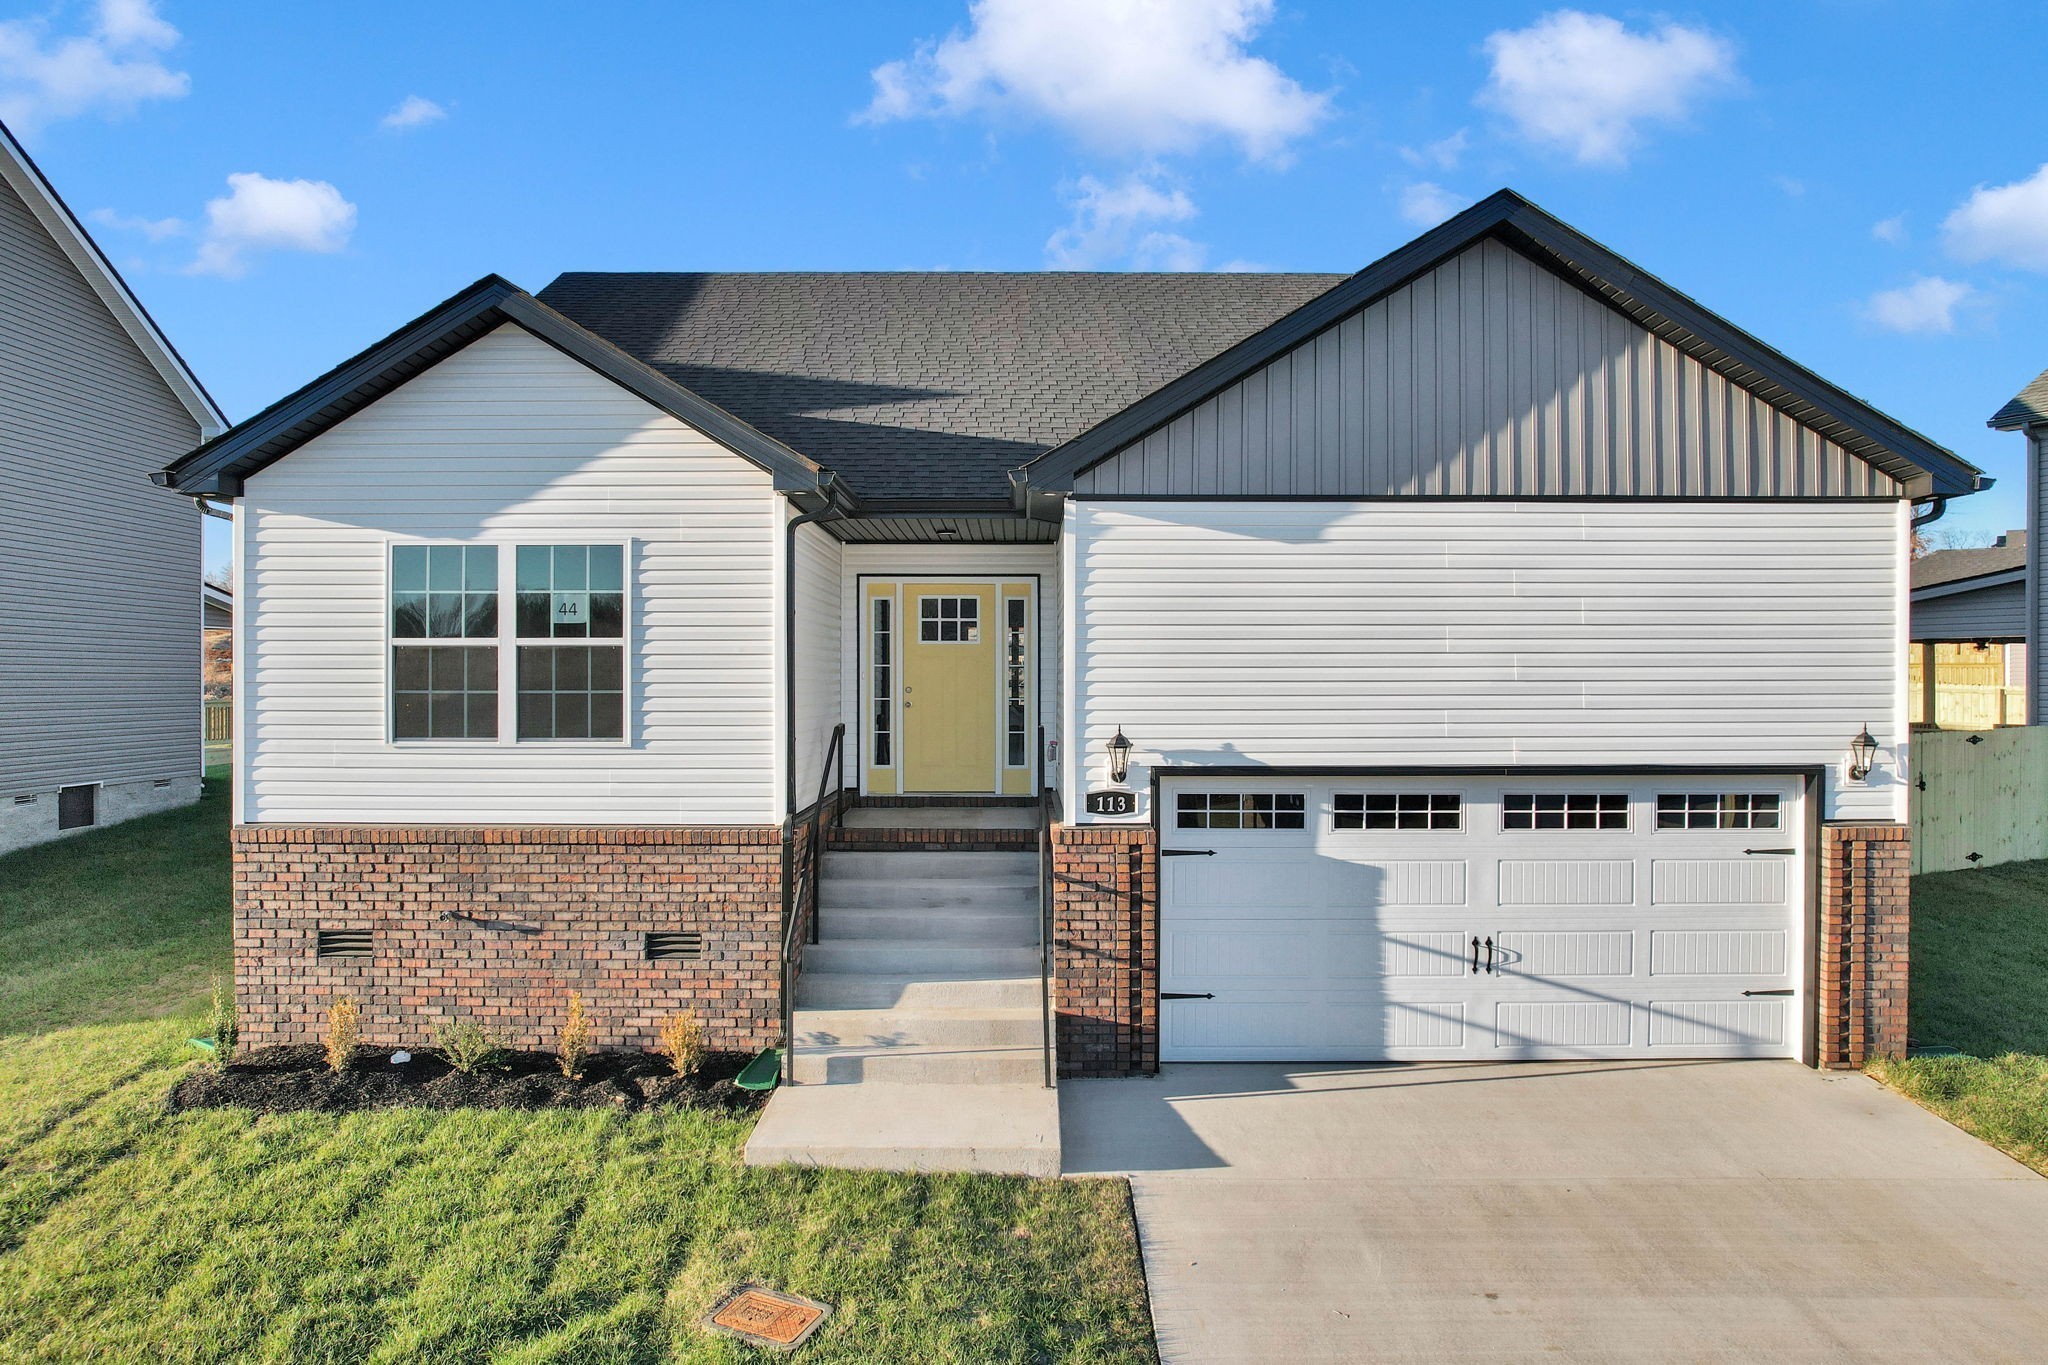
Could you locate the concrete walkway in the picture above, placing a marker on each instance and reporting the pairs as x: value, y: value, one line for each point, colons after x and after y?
x: 1709, y: 1211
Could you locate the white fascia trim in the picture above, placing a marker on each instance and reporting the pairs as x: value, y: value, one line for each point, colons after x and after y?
x: 27, y: 180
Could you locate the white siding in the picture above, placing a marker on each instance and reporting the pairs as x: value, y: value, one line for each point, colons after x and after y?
x: 510, y: 441
x: 817, y: 658
x: 940, y: 561
x: 1488, y: 633
x: 99, y: 569
x: 1489, y: 376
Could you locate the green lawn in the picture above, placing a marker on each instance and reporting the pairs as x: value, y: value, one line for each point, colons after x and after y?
x: 1980, y: 958
x: 130, y: 1234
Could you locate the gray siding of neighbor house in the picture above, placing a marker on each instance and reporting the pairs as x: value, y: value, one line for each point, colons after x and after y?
x: 1489, y: 376
x: 1998, y: 613
x: 99, y: 648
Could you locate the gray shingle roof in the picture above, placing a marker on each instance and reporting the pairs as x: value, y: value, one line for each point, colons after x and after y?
x: 2028, y: 405
x: 1949, y: 566
x: 926, y: 385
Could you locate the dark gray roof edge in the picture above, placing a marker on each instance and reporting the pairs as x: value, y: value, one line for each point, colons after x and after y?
x: 1521, y: 224
x: 218, y: 467
x: 2028, y: 407
x: 1994, y: 578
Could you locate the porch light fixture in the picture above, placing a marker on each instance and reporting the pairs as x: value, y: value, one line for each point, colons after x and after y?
x: 1119, y: 757
x: 1862, y: 755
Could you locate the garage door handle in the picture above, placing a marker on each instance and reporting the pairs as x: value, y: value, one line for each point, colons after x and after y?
x: 1489, y: 957
x: 1770, y: 850
x: 1191, y: 852
x: 1783, y: 992
x: 1187, y: 995
x: 1475, y: 954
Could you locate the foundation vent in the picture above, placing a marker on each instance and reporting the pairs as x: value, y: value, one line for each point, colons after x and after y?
x: 681, y: 946
x: 341, y: 943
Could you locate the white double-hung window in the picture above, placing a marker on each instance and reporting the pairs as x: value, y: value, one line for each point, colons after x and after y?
x: 570, y: 621
x: 444, y: 642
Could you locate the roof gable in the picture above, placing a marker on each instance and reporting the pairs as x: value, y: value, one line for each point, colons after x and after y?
x: 26, y: 179
x: 1918, y: 465
x: 219, y: 466
x: 2027, y: 407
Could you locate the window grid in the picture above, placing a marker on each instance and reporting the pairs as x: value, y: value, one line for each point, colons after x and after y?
x: 1397, y: 810
x: 1564, y: 810
x: 884, y: 636
x: 570, y: 593
x: 1016, y: 743
x: 949, y: 620
x: 444, y: 592
x: 444, y: 600
x: 444, y: 692
x: 571, y: 692
x: 1242, y: 810
x: 1717, y: 810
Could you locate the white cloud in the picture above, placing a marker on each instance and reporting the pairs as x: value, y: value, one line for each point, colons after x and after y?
x: 1928, y: 304
x: 1116, y: 224
x: 1142, y: 76
x: 1425, y: 204
x: 1585, y: 84
x: 110, y: 70
x: 155, y: 229
x: 414, y: 111
x: 1444, y: 153
x: 261, y: 214
x: 1892, y: 229
x: 2003, y: 223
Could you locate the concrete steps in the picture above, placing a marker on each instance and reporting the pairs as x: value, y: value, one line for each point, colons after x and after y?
x: 917, y: 1037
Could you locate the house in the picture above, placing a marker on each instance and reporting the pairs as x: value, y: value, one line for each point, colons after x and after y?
x: 2027, y: 414
x: 1969, y: 665
x: 1491, y: 654
x: 96, y: 633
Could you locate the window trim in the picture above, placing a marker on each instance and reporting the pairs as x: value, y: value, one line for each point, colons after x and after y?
x: 960, y: 621
x: 1462, y: 826
x: 1243, y: 794
x: 1718, y: 794
x: 506, y: 641
x: 1628, y: 812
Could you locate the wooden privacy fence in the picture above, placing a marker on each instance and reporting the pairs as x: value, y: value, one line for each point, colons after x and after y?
x: 1971, y: 706
x: 219, y: 719
x: 1979, y: 798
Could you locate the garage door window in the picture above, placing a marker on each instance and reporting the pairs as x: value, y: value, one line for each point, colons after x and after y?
x: 1243, y: 810
x: 1717, y: 810
x: 1564, y: 810
x: 1397, y: 810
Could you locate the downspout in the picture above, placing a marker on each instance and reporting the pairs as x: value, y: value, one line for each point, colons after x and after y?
x: 1937, y: 505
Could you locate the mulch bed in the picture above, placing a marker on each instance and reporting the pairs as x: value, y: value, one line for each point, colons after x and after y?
x: 284, y: 1080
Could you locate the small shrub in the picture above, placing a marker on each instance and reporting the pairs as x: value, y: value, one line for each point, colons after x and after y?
x: 468, y: 1045
x: 682, y: 1042
x: 222, y: 1024
x: 344, y: 1036
x: 575, y: 1047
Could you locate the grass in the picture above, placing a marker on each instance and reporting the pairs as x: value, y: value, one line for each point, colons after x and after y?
x: 127, y: 1233
x: 1979, y: 956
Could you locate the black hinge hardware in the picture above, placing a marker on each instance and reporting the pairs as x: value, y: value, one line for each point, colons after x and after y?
x: 1187, y: 995
x: 1187, y: 852
x: 1770, y: 850
x: 1783, y: 992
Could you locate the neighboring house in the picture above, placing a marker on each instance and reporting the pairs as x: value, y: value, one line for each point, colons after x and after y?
x: 96, y: 568
x: 2027, y: 414
x: 1969, y: 663
x: 1462, y: 615
x: 216, y: 607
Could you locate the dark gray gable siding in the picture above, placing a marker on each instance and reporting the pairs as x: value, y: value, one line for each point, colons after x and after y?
x: 1994, y: 612
x: 1488, y: 376
x: 99, y: 639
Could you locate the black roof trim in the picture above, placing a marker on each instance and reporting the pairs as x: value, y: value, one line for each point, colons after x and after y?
x: 218, y: 467
x: 1925, y: 467
x: 1990, y: 578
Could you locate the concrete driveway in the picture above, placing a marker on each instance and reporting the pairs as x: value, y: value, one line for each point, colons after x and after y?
x: 1724, y: 1211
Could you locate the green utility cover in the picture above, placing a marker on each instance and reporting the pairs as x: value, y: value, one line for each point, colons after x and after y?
x: 763, y: 1072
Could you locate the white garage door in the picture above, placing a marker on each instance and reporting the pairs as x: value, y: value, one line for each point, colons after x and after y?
x: 1481, y: 918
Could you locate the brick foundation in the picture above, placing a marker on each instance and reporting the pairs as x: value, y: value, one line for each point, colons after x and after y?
x: 1106, y: 948
x: 543, y: 911
x: 1864, y: 919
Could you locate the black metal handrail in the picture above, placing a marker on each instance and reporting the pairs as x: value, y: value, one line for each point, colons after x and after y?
x: 800, y: 909
x: 1045, y: 898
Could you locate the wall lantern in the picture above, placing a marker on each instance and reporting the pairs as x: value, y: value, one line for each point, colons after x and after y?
x: 1119, y: 757
x: 1862, y: 755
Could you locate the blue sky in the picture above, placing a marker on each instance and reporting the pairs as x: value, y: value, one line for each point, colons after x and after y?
x: 1862, y: 183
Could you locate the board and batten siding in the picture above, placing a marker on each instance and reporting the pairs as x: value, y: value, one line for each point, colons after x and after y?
x: 1443, y: 633
x: 1488, y: 376
x: 99, y: 569
x: 509, y: 441
x: 817, y: 658
x: 1998, y: 613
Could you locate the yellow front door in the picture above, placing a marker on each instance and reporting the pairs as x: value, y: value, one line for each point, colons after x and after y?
x: 950, y: 640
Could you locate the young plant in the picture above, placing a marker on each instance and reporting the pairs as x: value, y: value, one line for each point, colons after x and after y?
x: 344, y: 1034
x: 575, y: 1048
x: 682, y: 1042
x: 222, y: 1025
x: 468, y: 1045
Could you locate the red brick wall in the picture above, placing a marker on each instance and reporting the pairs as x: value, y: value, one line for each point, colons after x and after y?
x: 1864, y: 919
x: 560, y: 910
x: 1106, y: 948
